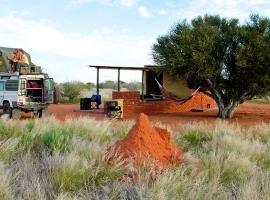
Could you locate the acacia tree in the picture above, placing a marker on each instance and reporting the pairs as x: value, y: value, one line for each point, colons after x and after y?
x: 229, y: 60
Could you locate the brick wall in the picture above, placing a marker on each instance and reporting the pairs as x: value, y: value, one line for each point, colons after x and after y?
x: 133, y: 104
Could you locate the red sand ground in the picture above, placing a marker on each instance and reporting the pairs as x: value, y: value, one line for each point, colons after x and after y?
x: 145, y: 143
x: 247, y: 114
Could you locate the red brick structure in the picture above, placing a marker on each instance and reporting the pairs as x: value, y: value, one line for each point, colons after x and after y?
x: 133, y: 104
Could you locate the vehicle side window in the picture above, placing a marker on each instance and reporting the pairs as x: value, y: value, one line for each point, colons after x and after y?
x: 12, y: 85
x: 2, y: 86
x: 49, y: 84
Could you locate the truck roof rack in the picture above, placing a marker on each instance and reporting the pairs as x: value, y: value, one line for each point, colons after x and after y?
x: 32, y: 69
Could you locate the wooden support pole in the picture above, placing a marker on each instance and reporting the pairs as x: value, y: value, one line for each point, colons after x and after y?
x: 142, y: 89
x: 97, y: 84
x: 118, y: 80
x: 97, y: 80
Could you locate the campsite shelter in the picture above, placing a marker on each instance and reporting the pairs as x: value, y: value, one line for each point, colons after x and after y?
x: 150, y: 100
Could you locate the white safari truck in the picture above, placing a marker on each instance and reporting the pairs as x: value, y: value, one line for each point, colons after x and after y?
x: 17, y: 95
x: 28, y: 90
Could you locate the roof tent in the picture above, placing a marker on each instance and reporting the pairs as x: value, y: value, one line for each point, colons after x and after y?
x: 4, y: 62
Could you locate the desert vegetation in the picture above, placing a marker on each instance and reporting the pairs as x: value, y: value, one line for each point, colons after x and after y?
x: 47, y: 159
x: 72, y: 91
x: 133, y: 85
x: 262, y: 99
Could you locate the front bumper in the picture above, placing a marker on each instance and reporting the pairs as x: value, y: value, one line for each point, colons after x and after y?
x: 32, y: 106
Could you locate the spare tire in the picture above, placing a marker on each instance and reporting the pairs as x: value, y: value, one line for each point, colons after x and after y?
x: 6, y: 108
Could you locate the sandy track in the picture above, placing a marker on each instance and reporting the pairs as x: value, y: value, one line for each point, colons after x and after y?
x: 247, y: 114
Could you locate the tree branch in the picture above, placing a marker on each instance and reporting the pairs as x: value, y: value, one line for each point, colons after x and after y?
x: 215, y: 94
x: 208, y: 94
x: 244, y: 96
x: 209, y: 82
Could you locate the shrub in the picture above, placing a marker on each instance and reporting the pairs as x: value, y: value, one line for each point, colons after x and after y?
x: 135, y: 85
x: 56, y: 139
x: 192, y: 137
x: 71, y: 91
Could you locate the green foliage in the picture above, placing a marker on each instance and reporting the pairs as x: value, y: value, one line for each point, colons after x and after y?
x: 132, y: 85
x: 113, y: 85
x: 262, y: 99
x: 56, y: 139
x: 8, y: 149
x: 76, y: 178
x: 236, y: 173
x: 7, y: 130
x: 27, y: 141
x: 5, y: 193
x: 109, y: 84
x: 71, y: 91
x: 229, y: 59
x: 30, y: 125
x: 193, y: 139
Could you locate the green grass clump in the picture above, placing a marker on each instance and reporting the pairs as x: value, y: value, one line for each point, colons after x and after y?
x: 76, y: 173
x: 260, y: 132
x: 9, y: 129
x: 193, y: 137
x: 5, y: 192
x: 57, y: 139
x: 8, y: 149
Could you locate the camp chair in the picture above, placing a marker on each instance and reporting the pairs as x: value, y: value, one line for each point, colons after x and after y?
x: 113, y: 110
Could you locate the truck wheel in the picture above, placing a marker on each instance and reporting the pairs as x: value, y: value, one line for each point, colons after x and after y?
x: 7, y: 112
x: 16, y: 114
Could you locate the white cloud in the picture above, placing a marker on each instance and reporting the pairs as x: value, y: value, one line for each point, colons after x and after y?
x: 162, y: 12
x: 126, y: 3
x: 240, y: 9
x: 79, y: 2
x: 152, y: 12
x: 67, y: 54
x: 143, y: 11
x: 17, y: 12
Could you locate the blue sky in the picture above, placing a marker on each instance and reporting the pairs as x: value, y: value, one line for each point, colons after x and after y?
x: 64, y: 36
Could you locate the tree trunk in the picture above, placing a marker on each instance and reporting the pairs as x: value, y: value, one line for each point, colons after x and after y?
x: 225, y: 105
x: 226, y: 112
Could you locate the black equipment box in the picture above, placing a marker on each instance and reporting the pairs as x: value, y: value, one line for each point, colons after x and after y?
x: 85, y: 103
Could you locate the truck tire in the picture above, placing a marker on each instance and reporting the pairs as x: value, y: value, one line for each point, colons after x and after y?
x: 16, y: 113
x: 7, y: 111
x: 56, y: 94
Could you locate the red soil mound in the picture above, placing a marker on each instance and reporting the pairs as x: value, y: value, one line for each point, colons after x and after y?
x: 145, y: 143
